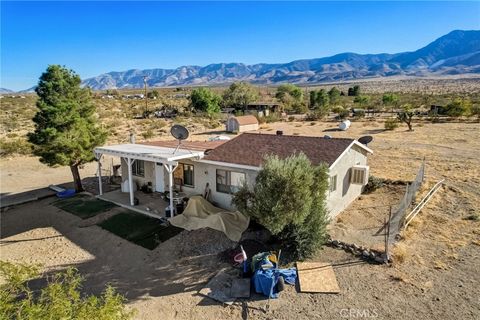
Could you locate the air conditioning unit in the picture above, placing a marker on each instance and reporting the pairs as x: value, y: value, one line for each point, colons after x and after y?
x: 359, y: 175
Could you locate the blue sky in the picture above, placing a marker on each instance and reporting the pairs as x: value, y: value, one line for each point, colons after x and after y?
x: 97, y: 37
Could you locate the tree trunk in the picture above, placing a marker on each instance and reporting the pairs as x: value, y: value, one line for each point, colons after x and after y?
x: 76, y: 179
x: 409, y: 124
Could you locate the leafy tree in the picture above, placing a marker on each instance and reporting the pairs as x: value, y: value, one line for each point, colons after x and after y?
x: 289, y: 200
x: 362, y: 100
x: 291, y: 97
x: 203, y: 99
x: 66, y: 126
x: 60, y: 299
x: 390, y: 99
x: 406, y: 115
x: 459, y: 107
x: 323, y: 99
x: 355, y: 91
x: 240, y: 94
x: 334, y: 95
x: 313, y: 99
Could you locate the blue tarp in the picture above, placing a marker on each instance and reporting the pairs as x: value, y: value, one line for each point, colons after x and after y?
x: 262, y: 280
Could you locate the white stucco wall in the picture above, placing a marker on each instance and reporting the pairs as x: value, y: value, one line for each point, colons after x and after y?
x: 140, y: 181
x: 345, y: 193
x: 248, y: 127
x: 203, y: 173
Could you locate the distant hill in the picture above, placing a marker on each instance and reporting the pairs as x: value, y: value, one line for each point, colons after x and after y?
x: 4, y: 91
x: 455, y: 53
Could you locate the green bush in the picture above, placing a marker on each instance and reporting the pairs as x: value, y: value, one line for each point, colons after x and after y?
x: 289, y: 200
x: 15, y: 146
x: 391, y: 124
x: 60, y: 299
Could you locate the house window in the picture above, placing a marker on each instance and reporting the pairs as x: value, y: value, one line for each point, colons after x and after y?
x: 333, y: 183
x: 187, y: 174
x: 359, y: 175
x: 184, y: 174
x: 138, y: 168
x: 229, y: 181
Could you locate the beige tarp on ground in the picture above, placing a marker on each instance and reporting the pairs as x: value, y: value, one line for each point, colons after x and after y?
x: 200, y: 213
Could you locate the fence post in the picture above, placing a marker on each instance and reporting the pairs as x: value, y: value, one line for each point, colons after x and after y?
x: 388, y: 232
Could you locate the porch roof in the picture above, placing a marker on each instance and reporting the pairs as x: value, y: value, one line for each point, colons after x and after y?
x: 148, y: 153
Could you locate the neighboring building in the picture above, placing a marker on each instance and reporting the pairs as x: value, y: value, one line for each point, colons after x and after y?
x: 242, y: 124
x: 263, y: 109
x: 224, y: 165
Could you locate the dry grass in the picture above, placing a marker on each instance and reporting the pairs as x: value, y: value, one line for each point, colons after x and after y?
x: 400, y: 253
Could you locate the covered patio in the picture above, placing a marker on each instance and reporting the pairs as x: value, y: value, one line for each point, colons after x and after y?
x: 163, y: 156
x: 151, y: 204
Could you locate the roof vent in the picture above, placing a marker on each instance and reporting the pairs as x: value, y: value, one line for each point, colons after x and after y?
x: 279, y: 133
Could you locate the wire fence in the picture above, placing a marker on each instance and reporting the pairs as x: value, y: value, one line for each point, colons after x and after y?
x: 398, y: 213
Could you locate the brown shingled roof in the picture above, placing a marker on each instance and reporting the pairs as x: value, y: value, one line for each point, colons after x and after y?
x: 190, y: 145
x: 251, y: 148
x: 245, y: 120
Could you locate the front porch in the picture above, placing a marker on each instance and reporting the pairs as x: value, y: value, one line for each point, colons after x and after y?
x: 150, y: 204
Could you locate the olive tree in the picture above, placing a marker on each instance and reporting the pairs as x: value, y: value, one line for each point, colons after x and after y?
x: 289, y: 199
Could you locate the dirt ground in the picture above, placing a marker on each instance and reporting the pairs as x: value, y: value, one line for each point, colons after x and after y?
x: 434, y: 276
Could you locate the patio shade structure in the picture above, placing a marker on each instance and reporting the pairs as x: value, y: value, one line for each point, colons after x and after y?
x: 168, y: 157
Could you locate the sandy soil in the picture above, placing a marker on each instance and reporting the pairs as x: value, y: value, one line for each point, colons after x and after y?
x: 435, y: 274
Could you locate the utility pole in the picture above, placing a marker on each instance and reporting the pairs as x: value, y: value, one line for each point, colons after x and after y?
x: 145, y: 95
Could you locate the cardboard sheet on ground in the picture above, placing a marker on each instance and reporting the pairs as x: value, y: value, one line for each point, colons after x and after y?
x: 219, y: 287
x: 200, y: 213
x: 317, y: 277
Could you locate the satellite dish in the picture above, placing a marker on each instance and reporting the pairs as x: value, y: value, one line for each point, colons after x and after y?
x: 365, y: 140
x: 179, y: 132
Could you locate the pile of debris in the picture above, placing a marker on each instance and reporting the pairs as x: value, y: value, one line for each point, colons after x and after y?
x: 367, y: 254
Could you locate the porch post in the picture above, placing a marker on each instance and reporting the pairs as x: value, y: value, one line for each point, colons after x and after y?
x: 130, y: 183
x: 100, y: 187
x: 170, y: 168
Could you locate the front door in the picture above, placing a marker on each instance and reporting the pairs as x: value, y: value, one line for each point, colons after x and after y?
x: 159, y: 178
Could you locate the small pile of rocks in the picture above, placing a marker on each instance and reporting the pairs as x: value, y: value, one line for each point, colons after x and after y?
x: 372, y: 256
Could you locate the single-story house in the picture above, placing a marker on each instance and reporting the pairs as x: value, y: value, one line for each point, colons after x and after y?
x: 224, y: 165
x: 242, y: 124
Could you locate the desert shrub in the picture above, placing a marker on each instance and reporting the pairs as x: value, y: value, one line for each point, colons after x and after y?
x: 343, y: 114
x: 316, y: 115
x: 289, y: 200
x: 60, y: 299
x: 148, y: 134
x: 272, y: 117
x: 15, y: 146
x: 373, y: 184
x: 359, y: 113
x: 391, y: 124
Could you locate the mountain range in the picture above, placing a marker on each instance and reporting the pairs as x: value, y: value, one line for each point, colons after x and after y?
x: 455, y: 53
x: 458, y: 52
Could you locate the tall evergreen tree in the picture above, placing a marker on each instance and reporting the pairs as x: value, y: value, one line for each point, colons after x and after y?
x: 66, y: 126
